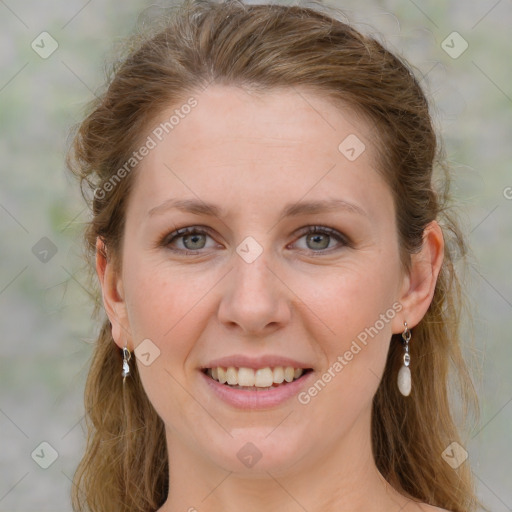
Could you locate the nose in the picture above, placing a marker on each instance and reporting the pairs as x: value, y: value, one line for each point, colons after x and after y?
x: 255, y: 300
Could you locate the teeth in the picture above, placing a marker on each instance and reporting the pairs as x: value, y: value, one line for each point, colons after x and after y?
x: 221, y: 375
x: 232, y: 376
x: 278, y: 374
x: 262, y: 378
x: 246, y: 377
x: 288, y: 374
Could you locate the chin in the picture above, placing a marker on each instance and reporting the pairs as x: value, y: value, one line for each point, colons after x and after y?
x: 255, y: 452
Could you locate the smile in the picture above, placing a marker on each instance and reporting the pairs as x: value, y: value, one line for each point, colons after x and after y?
x: 261, y: 388
x: 260, y: 379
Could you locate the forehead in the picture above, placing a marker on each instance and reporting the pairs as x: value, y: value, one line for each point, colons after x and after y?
x: 278, y: 118
x: 238, y: 146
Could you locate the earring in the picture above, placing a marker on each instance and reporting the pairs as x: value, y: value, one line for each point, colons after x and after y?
x: 126, y: 358
x: 404, y: 375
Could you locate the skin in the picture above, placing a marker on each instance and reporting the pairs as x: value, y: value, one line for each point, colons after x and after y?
x: 252, y: 154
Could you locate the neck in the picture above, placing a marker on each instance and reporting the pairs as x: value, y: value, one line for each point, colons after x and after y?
x: 344, y: 479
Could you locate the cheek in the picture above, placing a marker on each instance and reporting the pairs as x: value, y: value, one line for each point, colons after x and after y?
x: 165, y: 309
x: 167, y: 306
x: 359, y: 312
x: 349, y: 299
x: 355, y: 307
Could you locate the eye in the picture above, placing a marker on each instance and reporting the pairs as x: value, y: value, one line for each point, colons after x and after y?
x: 319, y: 238
x: 189, y: 239
x: 193, y: 239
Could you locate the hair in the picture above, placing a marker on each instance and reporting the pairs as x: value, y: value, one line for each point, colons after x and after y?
x: 265, y: 48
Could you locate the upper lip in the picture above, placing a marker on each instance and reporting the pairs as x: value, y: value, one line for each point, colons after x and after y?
x: 239, y: 361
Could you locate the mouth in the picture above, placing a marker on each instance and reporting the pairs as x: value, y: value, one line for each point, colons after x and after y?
x: 261, y: 379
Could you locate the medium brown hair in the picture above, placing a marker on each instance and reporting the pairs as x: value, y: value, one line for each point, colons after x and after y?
x: 264, y: 47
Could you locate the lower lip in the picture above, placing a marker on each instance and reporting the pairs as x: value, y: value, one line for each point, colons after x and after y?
x: 244, y: 399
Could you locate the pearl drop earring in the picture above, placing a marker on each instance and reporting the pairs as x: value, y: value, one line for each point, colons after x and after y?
x: 404, y: 375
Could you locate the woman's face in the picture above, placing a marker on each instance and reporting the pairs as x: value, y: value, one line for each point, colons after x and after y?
x: 250, y: 285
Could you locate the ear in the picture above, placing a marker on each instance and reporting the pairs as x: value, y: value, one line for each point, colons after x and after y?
x: 113, y: 295
x: 419, y: 283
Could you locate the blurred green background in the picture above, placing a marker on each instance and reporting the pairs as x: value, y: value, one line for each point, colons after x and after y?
x: 45, y: 306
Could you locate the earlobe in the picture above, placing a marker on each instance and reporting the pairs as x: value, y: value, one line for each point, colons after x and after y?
x: 420, y: 283
x: 112, y: 294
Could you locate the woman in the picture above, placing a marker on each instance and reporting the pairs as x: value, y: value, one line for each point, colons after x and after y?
x: 241, y: 366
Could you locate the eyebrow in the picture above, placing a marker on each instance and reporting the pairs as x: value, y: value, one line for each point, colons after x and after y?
x: 199, y: 207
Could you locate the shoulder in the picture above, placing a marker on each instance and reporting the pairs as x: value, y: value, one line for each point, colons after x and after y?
x: 409, y: 504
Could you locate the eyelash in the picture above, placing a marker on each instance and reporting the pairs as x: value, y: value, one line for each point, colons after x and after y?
x: 198, y: 230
